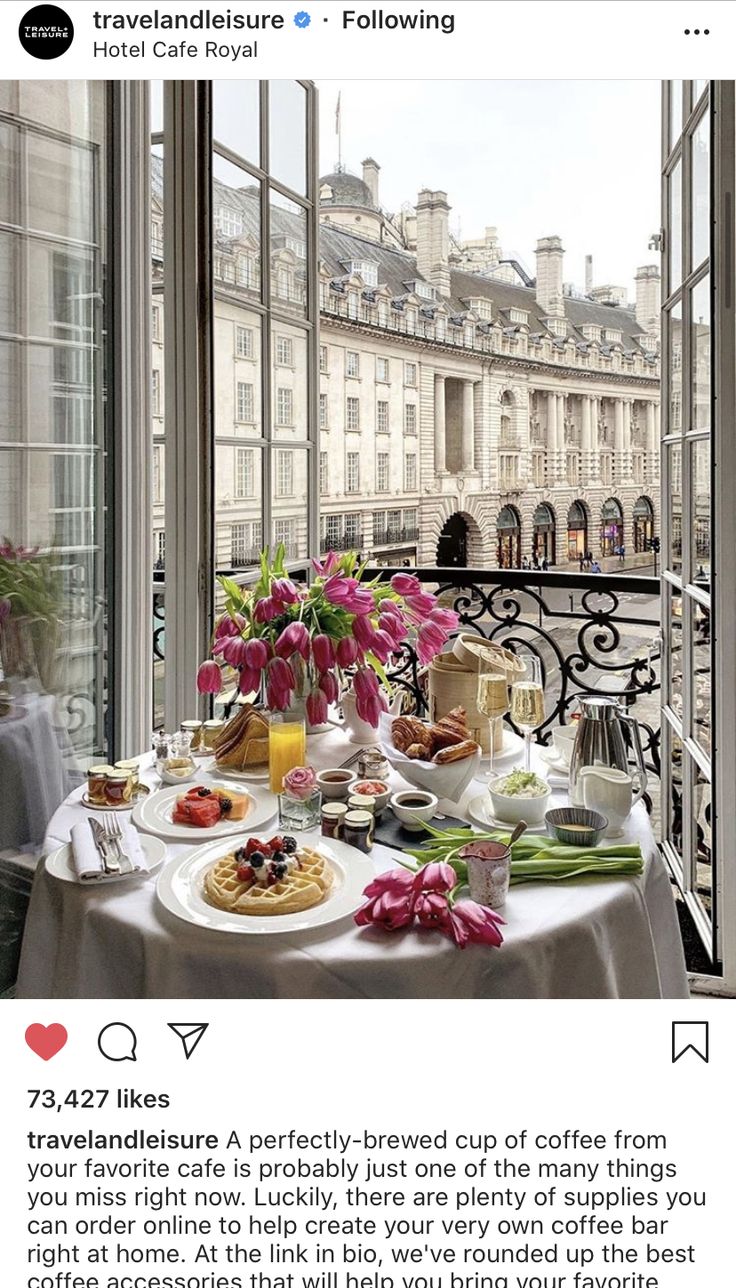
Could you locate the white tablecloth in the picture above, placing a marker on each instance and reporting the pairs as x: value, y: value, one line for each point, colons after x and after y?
x: 591, y: 938
x: 33, y: 779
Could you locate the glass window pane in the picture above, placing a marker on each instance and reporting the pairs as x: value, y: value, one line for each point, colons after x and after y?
x: 675, y: 370
x: 700, y: 519
x: 702, y: 838
x: 60, y: 191
x: 288, y: 256
x: 157, y: 106
x: 9, y: 320
x: 61, y: 292
x: 675, y: 111
x: 675, y: 247
x: 673, y: 556
x: 236, y: 106
x: 702, y: 675
x: 700, y: 341
x: 288, y: 133
x: 675, y: 676
x: 10, y: 415
x: 672, y: 747
x: 701, y: 192
x: 239, y: 506
x: 289, y: 382
x: 698, y: 87
x: 237, y: 348
x: 236, y: 221
x: 8, y: 173
x: 290, y: 494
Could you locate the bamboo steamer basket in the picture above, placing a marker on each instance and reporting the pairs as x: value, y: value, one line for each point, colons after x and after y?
x: 453, y: 682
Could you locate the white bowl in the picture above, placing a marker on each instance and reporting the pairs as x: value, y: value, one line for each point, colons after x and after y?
x: 563, y: 738
x: 447, y: 782
x: 338, y: 788
x: 172, y: 777
x: 381, y: 798
x: 412, y: 816
x: 512, y: 809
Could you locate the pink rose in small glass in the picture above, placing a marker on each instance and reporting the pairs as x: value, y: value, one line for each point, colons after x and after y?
x: 404, y: 584
x: 209, y: 678
x: 300, y: 782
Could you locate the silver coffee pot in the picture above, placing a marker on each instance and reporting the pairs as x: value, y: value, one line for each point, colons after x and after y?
x: 600, y: 740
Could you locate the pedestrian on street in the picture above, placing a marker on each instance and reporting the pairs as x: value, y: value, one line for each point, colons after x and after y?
x: 595, y: 566
x: 622, y: 553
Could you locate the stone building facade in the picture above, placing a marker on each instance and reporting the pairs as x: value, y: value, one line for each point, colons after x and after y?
x: 529, y: 424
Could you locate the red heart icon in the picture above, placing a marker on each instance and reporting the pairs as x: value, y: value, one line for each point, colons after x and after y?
x: 46, y: 1039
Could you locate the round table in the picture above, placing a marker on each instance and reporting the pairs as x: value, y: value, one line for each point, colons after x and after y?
x: 33, y: 775
x: 593, y: 937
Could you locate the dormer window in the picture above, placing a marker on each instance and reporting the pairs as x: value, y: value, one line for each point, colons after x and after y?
x: 424, y: 290
x: 326, y: 193
x: 592, y: 332
x: 365, y: 268
x: 297, y: 247
x: 558, y: 326
x: 612, y: 336
x: 519, y: 316
x: 229, y: 222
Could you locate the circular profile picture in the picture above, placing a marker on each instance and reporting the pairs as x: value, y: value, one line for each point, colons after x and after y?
x: 46, y: 31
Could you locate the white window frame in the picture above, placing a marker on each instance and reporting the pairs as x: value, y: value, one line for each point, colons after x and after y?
x: 352, y: 414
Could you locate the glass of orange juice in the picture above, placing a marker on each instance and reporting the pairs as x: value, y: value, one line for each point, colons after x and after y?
x: 287, y: 746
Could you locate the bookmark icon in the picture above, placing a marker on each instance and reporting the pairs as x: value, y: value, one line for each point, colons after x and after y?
x: 190, y: 1034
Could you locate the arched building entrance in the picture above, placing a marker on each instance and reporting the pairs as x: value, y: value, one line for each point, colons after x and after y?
x: 643, y: 524
x: 543, y: 540
x: 577, y: 531
x: 452, y: 543
x: 508, y: 534
x: 612, y: 526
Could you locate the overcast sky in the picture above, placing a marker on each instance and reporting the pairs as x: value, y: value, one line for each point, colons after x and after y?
x: 576, y: 158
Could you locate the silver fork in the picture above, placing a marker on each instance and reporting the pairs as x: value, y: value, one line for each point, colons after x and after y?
x: 114, y: 833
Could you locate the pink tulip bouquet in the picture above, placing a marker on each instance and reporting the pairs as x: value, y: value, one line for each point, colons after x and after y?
x: 296, y: 640
x: 399, y: 898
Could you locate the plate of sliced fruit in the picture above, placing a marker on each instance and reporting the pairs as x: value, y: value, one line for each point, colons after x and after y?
x: 183, y: 815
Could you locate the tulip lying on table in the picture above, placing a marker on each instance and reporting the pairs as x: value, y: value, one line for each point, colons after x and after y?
x: 533, y: 858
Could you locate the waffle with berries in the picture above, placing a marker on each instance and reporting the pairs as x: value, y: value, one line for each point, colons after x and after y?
x: 268, y: 878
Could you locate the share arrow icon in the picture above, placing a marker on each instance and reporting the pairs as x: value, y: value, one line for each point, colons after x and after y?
x: 190, y: 1034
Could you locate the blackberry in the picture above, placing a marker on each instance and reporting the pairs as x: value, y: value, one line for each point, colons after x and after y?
x: 289, y: 845
x: 225, y: 804
x: 279, y: 870
x: 241, y: 855
x: 204, y: 791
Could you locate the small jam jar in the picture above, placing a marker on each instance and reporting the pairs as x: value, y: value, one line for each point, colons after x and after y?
x: 118, y: 787
x: 193, y: 727
x: 356, y: 801
x: 97, y: 783
x: 131, y: 767
x: 210, y: 730
x: 357, y: 829
x: 333, y: 815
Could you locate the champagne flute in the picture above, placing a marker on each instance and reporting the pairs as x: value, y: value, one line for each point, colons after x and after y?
x: 493, y: 702
x: 527, y: 705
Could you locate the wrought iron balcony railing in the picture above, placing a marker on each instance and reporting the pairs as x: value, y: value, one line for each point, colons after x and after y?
x: 594, y: 634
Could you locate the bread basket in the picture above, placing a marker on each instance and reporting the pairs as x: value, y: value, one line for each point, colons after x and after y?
x: 453, y: 682
x: 448, y: 782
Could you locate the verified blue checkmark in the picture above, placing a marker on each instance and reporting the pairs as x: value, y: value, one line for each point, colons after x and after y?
x: 302, y: 19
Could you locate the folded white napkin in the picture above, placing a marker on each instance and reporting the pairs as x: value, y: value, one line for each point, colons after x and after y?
x: 87, y: 860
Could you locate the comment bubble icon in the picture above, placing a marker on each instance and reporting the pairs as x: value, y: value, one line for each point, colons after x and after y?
x: 117, y: 1041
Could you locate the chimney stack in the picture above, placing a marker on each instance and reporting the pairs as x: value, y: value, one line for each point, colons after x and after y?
x: 647, y: 298
x: 370, y: 176
x: 433, y: 239
x: 549, y: 277
x: 588, y: 274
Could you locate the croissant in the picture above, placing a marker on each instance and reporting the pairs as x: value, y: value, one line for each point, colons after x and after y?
x: 417, y: 751
x: 460, y: 751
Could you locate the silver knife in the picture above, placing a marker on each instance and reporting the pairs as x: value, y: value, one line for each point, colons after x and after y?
x: 109, y: 861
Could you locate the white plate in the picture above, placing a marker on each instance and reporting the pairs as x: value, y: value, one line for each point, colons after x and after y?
x: 240, y: 775
x: 154, y: 815
x: 511, y: 747
x: 479, y: 810
x: 555, y: 762
x: 180, y: 888
x: 60, y: 865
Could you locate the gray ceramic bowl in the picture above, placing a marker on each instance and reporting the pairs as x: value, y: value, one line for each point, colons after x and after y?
x: 573, y: 825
